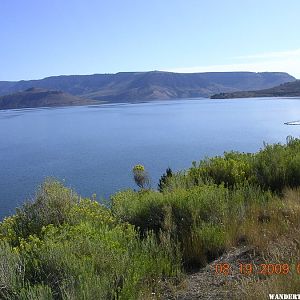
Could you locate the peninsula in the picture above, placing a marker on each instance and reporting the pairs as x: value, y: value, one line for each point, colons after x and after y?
x: 38, y: 97
x: 289, y: 89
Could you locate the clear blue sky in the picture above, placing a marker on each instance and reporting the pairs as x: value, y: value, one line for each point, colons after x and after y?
x: 41, y: 38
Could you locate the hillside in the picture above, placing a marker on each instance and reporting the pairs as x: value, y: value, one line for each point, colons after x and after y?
x: 226, y: 228
x: 289, y: 89
x: 136, y: 86
x: 38, y: 97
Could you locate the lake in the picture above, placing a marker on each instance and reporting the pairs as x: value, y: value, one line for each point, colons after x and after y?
x: 93, y: 148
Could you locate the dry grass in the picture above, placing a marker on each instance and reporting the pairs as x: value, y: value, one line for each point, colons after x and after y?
x: 278, y: 242
x: 265, y: 223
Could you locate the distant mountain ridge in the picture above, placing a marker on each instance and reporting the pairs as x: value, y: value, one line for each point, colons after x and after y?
x: 289, y: 89
x: 38, y: 97
x: 137, y: 86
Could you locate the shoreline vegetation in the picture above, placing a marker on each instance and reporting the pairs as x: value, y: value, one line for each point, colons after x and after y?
x: 147, y: 244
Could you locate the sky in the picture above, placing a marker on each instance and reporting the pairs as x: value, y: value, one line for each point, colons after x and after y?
x: 41, y: 38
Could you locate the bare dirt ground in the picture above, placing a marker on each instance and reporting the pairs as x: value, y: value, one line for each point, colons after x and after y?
x: 208, y: 284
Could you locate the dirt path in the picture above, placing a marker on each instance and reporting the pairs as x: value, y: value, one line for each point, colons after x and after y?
x: 207, y: 284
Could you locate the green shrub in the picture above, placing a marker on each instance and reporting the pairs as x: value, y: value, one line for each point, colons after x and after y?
x: 204, y: 244
x: 141, y: 177
x: 181, y: 215
x: 272, y: 168
x: 88, y: 252
x: 163, y: 181
x: 86, y: 259
x: 36, y: 292
x: 11, y: 272
x: 52, y: 205
x: 204, y: 220
x: 232, y: 169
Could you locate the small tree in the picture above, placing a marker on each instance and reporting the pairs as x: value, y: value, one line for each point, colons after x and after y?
x: 164, y: 179
x: 141, y: 177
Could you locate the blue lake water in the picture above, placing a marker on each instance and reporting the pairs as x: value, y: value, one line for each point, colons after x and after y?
x: 93, y: 148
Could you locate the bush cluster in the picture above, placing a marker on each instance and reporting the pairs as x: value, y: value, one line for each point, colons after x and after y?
x: 274, y: 168
x: 61, y: 246
x: 200, y: 219
x: 75, y: 248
